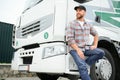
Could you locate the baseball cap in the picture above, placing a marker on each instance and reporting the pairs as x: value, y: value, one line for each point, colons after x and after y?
x: 80, y: 7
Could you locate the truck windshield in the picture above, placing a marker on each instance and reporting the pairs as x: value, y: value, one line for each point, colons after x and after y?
x: 31, y: 3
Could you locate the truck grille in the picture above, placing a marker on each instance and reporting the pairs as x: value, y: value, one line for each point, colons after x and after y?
x: 32, y: 28
x: 27, y: 60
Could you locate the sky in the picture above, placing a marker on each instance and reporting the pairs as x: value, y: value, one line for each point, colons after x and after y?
x: 10, y: 10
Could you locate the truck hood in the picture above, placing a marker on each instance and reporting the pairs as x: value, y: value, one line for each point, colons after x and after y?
x: 36, y: 25
x: 112, y: 32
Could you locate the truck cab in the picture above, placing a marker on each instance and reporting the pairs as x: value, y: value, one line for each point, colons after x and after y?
x: 40, y: 40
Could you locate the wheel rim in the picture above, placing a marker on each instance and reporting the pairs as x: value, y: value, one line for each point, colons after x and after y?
x: 103, y: 69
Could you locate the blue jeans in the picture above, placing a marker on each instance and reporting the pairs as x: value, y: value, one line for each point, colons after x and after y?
x: 93, y: 56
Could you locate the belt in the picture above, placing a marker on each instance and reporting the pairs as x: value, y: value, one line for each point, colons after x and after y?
x: 86, y: 47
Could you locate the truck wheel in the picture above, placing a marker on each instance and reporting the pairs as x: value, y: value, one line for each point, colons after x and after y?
x: 104, y: 69
x: 47, y: 77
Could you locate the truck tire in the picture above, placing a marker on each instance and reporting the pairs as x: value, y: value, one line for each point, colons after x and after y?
x: 47, y: 77
x: 104, y: 69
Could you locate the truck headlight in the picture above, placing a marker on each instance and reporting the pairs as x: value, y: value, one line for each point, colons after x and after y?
x: 54, y: 50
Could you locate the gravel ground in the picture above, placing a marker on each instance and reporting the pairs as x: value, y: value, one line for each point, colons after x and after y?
x: 24, y: 78
x: 31, y: 78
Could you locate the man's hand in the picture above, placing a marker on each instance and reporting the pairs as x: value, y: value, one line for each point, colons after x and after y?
x: 80, y: 53
x: 78, y: 50
x: 93, y: 47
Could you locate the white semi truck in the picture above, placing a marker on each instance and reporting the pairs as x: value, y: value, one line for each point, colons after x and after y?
x: 40, y: 41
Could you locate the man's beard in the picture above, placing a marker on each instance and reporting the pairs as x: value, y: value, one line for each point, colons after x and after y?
x: 80, y: 17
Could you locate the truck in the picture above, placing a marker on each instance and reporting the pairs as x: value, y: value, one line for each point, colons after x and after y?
x: 40, y: 43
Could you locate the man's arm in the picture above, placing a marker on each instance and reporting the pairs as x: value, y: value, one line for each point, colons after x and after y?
x: 80, y: 53
x: 95, y: 43
x: 95, y: 34
x: 71, y: 41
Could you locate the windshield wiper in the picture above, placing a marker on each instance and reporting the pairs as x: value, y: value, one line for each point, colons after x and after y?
x: 32, y: 6
x: 26, y: 9
x: 39, y: 2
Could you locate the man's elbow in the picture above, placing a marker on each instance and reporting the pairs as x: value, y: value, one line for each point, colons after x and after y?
x: 70, y: 42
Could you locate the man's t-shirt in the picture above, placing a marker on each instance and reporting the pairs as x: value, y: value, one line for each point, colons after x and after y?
x: 81, y: 23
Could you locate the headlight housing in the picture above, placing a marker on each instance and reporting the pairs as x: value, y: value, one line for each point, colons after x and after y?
x: 54, y: 51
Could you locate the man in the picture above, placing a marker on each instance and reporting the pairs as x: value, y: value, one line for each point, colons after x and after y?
x: 77, y: 34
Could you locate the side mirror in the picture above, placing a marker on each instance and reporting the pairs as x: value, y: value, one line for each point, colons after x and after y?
x: 97, y: 19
